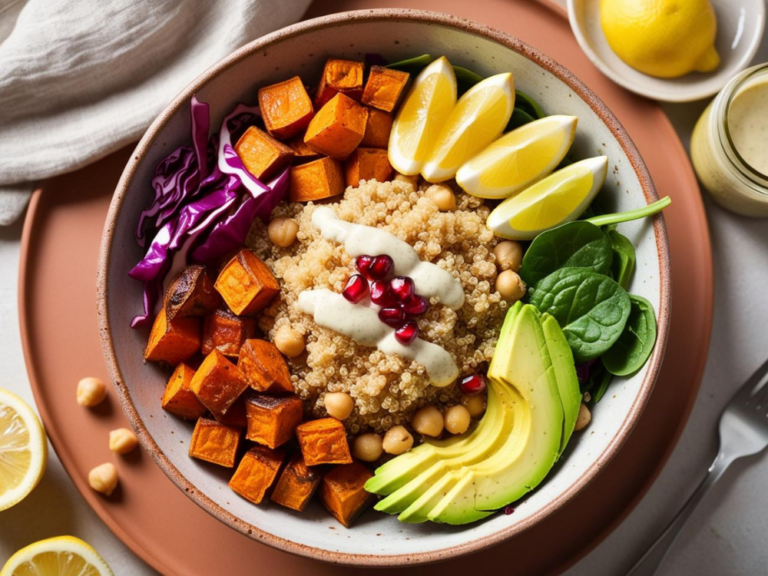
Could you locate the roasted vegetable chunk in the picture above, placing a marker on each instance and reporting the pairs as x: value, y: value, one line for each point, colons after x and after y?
x: 272, y: 420
x: 337, y: 128
x: 246, y: 284
x: 367, y: 164
x: 345, y: 76
x: 256, y: 473
x: 261, y: 154
x: 301, y: 152
x: 297, y: 484
x: 286, y: 108
x: 377, y: 130
x: 226, y: 332
x: 214, y: 442
x: 191, y: 293
x: 235, y: 414
x: 384, y: 87
x: 217, y: 383
x: 179, y: 399
x: 173, y: 341
x: 343, y: 493
x: 323, y: 441
x: 263, y: 368
x: 316, y: 180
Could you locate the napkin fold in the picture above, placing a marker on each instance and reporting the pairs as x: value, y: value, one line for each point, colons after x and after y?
x: 79, y: 80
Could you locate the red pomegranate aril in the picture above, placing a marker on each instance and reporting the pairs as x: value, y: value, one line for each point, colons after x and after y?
x: 403, y: 287
x: 415, y: 305
x: 382, y: 295
x: 473, y: 384
x: 380, y: 267
x: 407, y: 332
x: 392, y: 317
x: 356, y: 289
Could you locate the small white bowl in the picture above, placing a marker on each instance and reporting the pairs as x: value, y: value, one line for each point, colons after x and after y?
x: 740, y: 26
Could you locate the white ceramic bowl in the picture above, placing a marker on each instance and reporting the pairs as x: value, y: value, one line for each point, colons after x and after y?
x: 740, y: 27
x: 302, y: 49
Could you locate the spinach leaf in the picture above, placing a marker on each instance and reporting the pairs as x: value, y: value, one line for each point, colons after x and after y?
x: 528, y: 105
x: 519, y: 118
x: 574, y: 244
x: 591, y: 309
x: 635, y: 344
x: 624, y: 258
x: 412, y: 65
x: 465, y: 78
x: 602, y: 381
x: 619, y: 217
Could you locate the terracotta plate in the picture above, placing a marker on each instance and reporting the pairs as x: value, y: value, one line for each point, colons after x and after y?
x: 61, y: 344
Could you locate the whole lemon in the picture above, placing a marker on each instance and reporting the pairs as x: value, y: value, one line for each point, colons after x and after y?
x: 663, y: 38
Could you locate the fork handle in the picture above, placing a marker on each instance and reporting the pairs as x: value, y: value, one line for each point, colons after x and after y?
x: 652, y: 559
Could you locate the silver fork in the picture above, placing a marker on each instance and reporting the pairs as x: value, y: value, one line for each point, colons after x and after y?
x: 743, y: 432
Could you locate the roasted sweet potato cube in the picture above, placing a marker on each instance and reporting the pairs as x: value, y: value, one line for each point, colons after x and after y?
x: 345, y: 76
x: 297, y: 484
x: 377, y: 130
x: 316, y: 180
x: 178, y: 398
x: 301, y: 152
x: 217, y: 383
x: 261, y: 154
x: 256, y: 473
x: 272, y: 420
x: 173, y: 341
x: 191, y: 293
x: 343, y: 493
x: 367, y: 164
x: 246, y: 284
x: 383, y: 88
x: 337, y: 128
x: 286, y: 108
x: 226, y: 332
x: 263, y: 368
x: 323, y: 441
x: 214, y: 442
x: 235, y: 414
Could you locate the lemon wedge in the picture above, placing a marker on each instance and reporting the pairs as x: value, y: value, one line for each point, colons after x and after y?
x: 60, y: 556
x: 422, y: 115
x: 23, y: 449
x: 558, y: 198
x: 519, y: 158
x: 478, y: 118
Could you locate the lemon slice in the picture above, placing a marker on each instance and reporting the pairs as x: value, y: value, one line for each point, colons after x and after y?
x: 558, y: 198
x: 60, y: 556
x: 477, y: 120
x: 519, y: 158
x: 23, y: 449
x: 422, y: 115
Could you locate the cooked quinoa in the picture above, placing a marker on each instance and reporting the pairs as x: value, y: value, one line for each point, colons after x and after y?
x: 387, y: 389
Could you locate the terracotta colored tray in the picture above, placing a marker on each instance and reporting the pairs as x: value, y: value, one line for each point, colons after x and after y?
x: 57, y: 303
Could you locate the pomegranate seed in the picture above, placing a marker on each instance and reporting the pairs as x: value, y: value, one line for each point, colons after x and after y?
x: 363, y: 264
x: 472, y: 384
x: 381, y: 267
x: 356, y: 289
x: 392, y: 317
x: 508, y: 510
x: 403, y: 287
x: 382, y: 295
x: 415, y: 305
x: 407, y: 332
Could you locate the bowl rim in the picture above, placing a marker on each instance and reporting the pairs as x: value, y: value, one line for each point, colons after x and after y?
x: 336, y: 20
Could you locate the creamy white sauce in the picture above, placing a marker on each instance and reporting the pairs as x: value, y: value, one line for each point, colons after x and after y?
x: 748, y: 124
x: 361, y: 323
x: 430, y: 279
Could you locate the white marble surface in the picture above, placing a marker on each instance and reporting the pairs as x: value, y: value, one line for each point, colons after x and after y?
x: 725, y: 536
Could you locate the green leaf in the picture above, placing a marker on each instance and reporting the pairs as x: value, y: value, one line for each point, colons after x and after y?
x: 591, y: 309
x: 528, y: 105
x: 603, y: 381
x: 620, y: 217
x: 634, y: 346
x: 519, y: 118
x: 412, y: 65
x: 574, y: 245
x: 623, y: 264
x: 465, y: 79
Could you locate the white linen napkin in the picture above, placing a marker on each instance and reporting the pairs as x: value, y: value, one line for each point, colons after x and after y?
x: 79, y: 79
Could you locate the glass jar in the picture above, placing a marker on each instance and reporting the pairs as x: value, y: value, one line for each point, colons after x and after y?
x: 729, y: 146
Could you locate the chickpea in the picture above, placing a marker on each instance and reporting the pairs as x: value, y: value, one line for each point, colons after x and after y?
x: 510, y: 286
x: 442, y: 196
x: 122, y: 440
x: 289, y: 341
x: 91, y: 392
x: 428, y: 421
x: 397, y: 440
x: 457, y: 419
x: 367, y: 447
x: 282, y: 232
x: 584, y: 418
x: 509, y: 255
x: 475, y: 404
x: 412, y: 180
x: 266, y: 323
x: 103, y: 478
x: 339, y: 405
